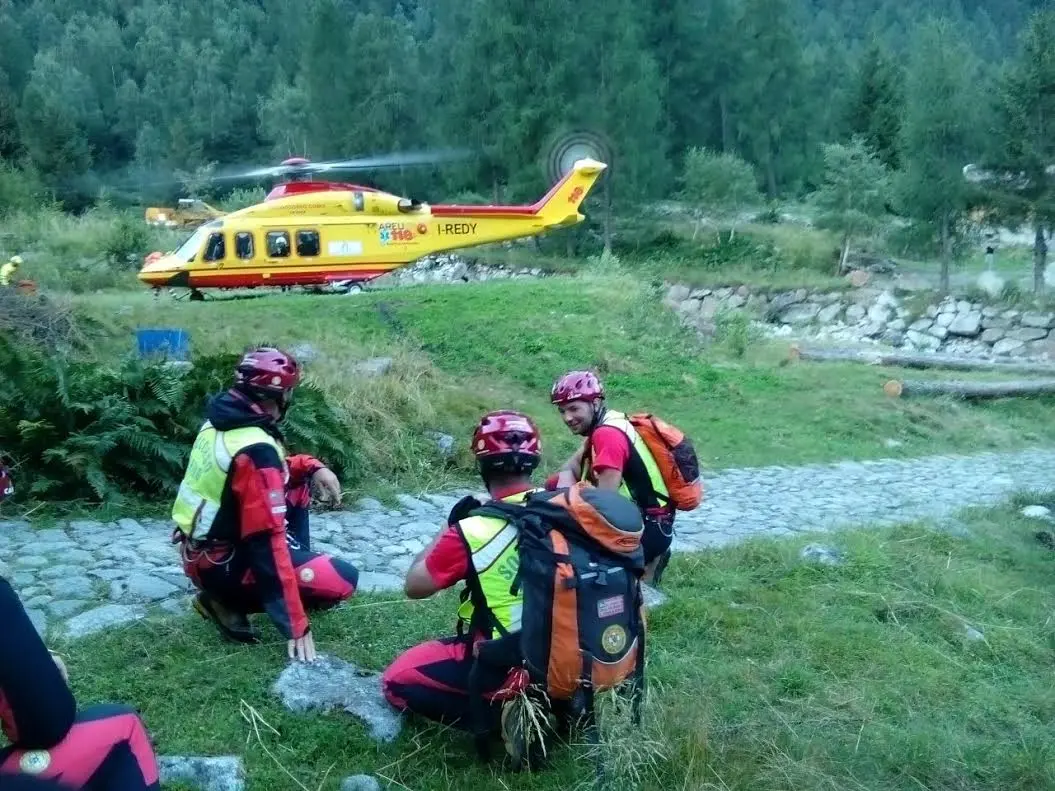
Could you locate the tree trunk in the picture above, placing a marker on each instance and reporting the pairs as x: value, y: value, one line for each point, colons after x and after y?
x: 1040, y: 258
x: 723, y: 109
x: 608, y: 215
x: 919, y: 360
x: 960, y: 389
x: 946, y: 252
x: 845, y: 253
x: 771, y: 177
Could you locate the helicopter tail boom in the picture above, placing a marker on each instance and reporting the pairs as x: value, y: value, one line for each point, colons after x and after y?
x: 559, y: 206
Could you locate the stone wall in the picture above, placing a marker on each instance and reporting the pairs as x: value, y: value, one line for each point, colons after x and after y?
x: 873, y: 316
x: 449, y: 269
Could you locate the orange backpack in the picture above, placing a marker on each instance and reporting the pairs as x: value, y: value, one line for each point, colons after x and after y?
x: 675, y: 456
x: 583, y: 621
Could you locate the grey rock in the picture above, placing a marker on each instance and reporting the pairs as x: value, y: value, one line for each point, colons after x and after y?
x: 820, y: 554
x: 393, y: 551
x: 653, y: 597
x: 79, y: 587
x: 1036, y: 512
x: 360, y: 783
x: 370, y: 504
x: 226, y: 773
x: 992, y: 335
x: 374, y: 581
x: 141, y: 587
x: 677, y: 294
x: 879, y: 313
x: 374, y: 367
x: 995, y: 322
x: 54, y: 572
x: 330, y: 683
x: 1007, y: 346
x: 1040, y: 320
x: 414, y: 504
x: 938, y: 331
x: 130, y: 526
x: 1028, y: 334
x: 30, y: 562
x: 972, y: 634
x: 897, y: 325
x: 854, y: 314
x: 22, y: 578
x: 931, y: 312
x: 829, y: 313
x: 67, y: 607
x: 945, y: 319
x: 102, y: 618
x: 966, y: 324
x: 873, y: 329
x: 444, y: 443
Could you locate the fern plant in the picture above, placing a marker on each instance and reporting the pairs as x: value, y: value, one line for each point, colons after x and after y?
x: 77, y: 430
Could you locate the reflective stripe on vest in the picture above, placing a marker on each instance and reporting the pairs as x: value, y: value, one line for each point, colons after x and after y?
x: 619, y: 420
x: 198, y: 500
x: 493, y: 553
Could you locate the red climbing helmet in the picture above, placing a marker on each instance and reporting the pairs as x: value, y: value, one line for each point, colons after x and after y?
x: 267, y: 371
x: 507, y: 441
x: 576, y: 386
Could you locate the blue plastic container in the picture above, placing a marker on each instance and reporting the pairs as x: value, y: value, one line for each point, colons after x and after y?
x: 173, y: 343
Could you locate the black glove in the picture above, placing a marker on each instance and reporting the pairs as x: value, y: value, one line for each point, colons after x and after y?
x: 463, y: 508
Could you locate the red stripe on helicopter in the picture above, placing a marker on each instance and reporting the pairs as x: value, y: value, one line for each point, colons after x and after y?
x: 246, y: 279
x: 457, y: 210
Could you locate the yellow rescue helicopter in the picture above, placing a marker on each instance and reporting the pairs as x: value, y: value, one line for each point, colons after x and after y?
x: 310, y: 232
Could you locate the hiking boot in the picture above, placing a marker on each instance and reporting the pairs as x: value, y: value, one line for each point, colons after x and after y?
x: 522, y: 741
x: 657, y: 575
x: 233, y: 626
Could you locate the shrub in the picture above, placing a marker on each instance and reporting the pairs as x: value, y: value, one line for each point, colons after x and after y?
x: 79, y: 430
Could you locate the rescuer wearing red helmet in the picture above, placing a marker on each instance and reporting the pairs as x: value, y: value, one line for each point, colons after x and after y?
x: 432, y: 679
x: 617, y: 459
x: 242, y: 512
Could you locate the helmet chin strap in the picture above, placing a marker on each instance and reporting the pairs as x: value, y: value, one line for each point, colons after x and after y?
x: 599, y: 411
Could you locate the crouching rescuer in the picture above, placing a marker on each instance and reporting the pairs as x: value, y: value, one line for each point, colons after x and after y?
x: 432, y: 679
x: 242, y: 512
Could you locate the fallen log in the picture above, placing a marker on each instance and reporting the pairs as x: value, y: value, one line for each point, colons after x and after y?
x: 897, y: 388
x: 923, y: 361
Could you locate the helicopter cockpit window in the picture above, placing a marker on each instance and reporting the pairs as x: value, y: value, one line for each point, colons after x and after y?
x: 215, y: 250
x: 277, y: 244
x: 243, y: 244
x: 307, y: 243
x: 189, y: 249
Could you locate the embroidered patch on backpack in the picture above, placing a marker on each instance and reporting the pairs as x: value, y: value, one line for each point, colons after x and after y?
x: 613, y: 605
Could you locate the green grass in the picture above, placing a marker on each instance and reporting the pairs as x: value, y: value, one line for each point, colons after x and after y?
x: 462, y: 350
x: 766, y: 672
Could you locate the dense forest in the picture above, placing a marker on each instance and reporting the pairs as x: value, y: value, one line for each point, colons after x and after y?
x: 119, y: 95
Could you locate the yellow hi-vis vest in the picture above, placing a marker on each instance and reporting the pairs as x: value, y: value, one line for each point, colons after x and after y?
x: 6, y: 271
x: 198, y: 499
x: 619, y: 420
x: 494, y: 557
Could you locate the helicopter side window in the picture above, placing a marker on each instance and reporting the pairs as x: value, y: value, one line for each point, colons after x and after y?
x: 243, y: 245
x: 307, y: 243
x: 215, y: 249
x: 277, y: 244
